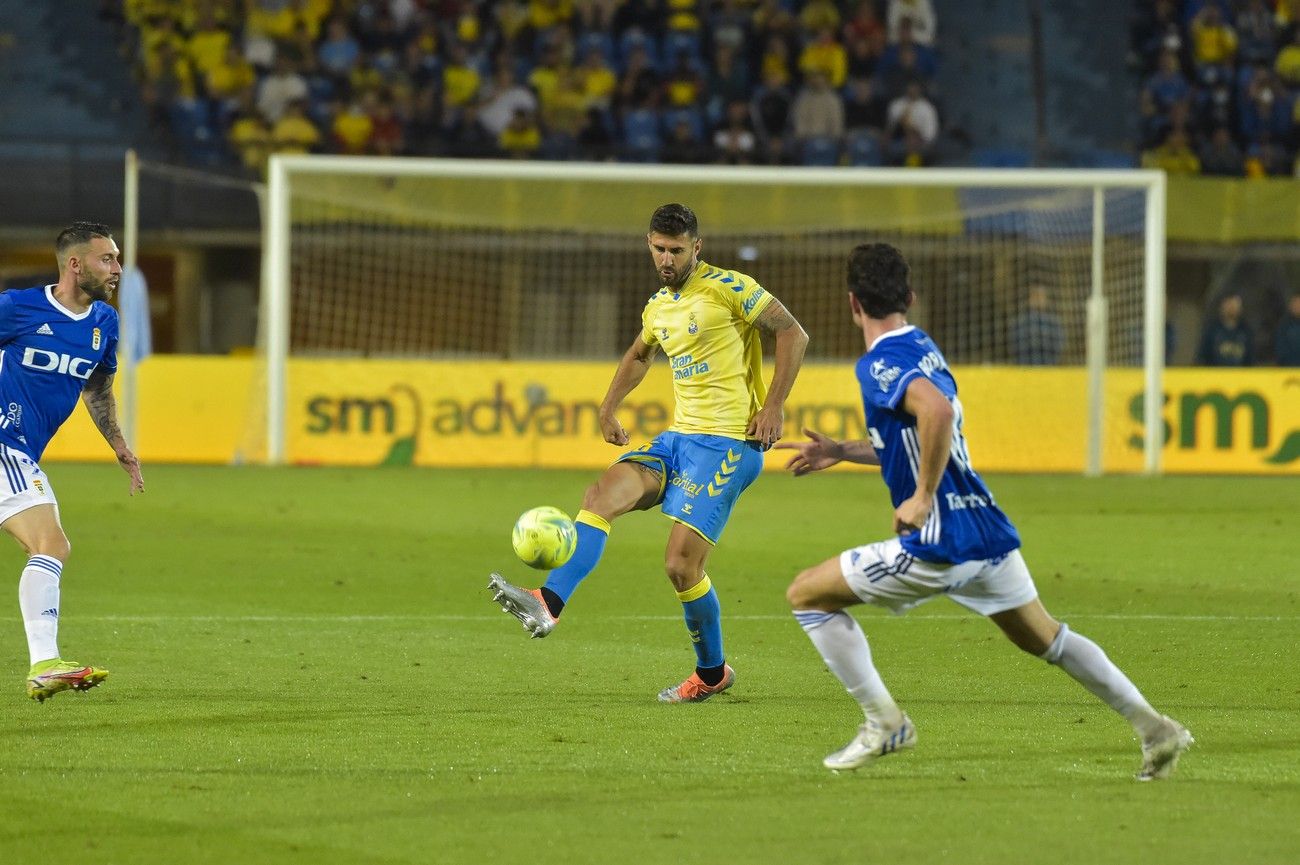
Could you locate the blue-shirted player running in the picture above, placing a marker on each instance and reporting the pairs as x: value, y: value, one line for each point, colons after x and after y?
x: 58, y: 343
x: 952, y: 538
x: 707, y: 320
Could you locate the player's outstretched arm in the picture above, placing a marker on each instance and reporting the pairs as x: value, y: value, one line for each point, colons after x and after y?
x: 768, y: 425
x: 822, y: 452
x: 630, y: 373
x: 98, y: 397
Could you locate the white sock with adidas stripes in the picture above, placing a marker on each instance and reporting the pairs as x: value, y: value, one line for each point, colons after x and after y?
x: 38, y: 598
x: 843, y: 646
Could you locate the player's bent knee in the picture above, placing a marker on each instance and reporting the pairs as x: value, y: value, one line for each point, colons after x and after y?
x: 802, y: 593
x: 55, y: 546
x: 604, y: 501
x: 613, y: 495
x: 683, y: 574
x: 1051, y: 652
x: 591, y: 498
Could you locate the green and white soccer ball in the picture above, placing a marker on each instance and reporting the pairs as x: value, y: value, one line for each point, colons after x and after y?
x: 545, y: 538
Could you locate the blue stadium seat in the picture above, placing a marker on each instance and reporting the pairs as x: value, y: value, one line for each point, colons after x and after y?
x: 641, y: 135
x: 190, y: 120
x: 863, y: 149
x: 599, y: 41
x: 820, y: 150
x: 1002, y: 157
x: 205, y: 147
x: 674, y: 116
x: 632, y: 39
x: 1100, y: 158
x: 677, y: 42
x: 320, y: 88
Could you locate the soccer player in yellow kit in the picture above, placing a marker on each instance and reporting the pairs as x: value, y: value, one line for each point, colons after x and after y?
x: 707, y: 320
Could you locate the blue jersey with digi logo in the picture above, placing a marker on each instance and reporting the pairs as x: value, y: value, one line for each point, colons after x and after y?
x: 965, y: 522
x: 47, y: 353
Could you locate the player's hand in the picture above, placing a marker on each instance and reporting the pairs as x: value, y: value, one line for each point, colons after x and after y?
x: 767, y: 426
x: 820, y: 452
x: 613, y: 431
x: 912, y: 514
x: 131, y: 466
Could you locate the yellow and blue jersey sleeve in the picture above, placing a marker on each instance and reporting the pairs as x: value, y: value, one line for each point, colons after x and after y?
x: 706, y: 328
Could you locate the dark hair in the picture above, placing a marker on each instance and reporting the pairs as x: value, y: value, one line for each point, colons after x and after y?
x: 878, y: 278
x: 674, y: 219
x: 78, y: 233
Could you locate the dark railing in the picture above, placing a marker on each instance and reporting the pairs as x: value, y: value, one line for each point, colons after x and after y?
x: 46, y: 184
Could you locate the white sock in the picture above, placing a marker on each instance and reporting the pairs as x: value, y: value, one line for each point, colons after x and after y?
x: 844, y: 648
x: 1088, y: 665
x: 38, y: 598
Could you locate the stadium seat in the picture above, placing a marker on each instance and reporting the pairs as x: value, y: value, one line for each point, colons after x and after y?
x: 631, y: 40
x: 1100, y: 158
x: 673, y: 116
x: 1002, y: 157
x: 558, y: 146
x: 320, y: 88
x: 205, y: 147
x: 600, y: 41
x: 678, y: 42
x: 863, y: 149
x: 641, y: 135
x: 190, y: 119
x: 820, y: 150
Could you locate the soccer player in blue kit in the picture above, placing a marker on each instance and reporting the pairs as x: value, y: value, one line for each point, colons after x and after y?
x: 952, y: 538
x: 57, y: 343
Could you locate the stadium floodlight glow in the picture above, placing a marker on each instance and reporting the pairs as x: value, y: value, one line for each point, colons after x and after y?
x: 474, y: 237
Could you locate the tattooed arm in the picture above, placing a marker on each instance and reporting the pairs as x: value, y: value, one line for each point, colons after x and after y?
x: 791, y: 340
x: 98, y: 397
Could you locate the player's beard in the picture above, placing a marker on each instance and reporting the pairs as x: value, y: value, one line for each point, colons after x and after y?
x: 101, y: 289
x: 677, y: 279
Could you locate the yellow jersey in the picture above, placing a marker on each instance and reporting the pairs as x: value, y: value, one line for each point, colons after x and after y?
x: 707, y: 330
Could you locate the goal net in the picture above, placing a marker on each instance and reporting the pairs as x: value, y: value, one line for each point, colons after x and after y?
x: 446, y: 259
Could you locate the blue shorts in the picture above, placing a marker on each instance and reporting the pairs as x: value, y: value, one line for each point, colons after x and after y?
x: 700, y: 476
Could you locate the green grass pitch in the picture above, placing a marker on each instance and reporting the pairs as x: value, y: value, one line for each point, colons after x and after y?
x: 306, y: 667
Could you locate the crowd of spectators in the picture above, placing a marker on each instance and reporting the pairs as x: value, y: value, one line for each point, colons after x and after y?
x: 1228, y: 340
x: 820, y: 82
x: 1221, y: 86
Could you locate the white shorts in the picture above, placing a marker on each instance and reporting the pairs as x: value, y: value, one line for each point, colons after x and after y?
x: 22, y: 484
x: 885, y: 574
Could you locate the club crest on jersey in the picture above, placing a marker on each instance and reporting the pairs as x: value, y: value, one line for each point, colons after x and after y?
x: 40, y: 488
x: 884, y: 377
x: 692, y: 328
x: 94, y: 339
x: 663, y: 333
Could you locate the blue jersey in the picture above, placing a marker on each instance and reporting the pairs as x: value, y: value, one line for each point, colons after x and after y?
x: 47, y: 353
x: 965, y: 522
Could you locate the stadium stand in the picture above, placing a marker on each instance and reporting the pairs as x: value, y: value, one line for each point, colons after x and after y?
x: 637, y: 80
x: 1219, y: 86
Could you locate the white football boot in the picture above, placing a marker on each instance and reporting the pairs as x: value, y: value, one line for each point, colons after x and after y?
x: 872, y: 742
x: 1160, y: 754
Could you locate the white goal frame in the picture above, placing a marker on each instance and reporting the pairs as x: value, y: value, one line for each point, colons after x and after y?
x: 284, y: 168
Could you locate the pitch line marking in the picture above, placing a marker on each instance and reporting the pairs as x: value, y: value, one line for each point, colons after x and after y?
x: 452, y: 617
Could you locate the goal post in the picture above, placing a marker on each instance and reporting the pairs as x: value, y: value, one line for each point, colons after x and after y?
x: 357, y: 250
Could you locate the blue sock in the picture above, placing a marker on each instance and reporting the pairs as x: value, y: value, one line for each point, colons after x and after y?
x: 593, y: 531
x: 704, y: 623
